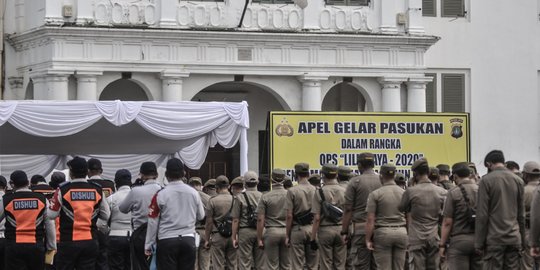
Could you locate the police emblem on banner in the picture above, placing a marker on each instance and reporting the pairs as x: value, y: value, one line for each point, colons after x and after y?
x: 284, y: 128
x: 457, y: 127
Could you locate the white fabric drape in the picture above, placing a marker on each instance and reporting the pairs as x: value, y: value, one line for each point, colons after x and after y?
x: 203, y: 123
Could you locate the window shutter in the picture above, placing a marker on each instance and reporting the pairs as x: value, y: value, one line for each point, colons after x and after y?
x: 453, y: 92
x: 429, y: 8
x: 453, y: 8
x: 431, y: 94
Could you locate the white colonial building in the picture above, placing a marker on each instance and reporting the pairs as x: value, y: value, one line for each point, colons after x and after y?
x: 332, y: 55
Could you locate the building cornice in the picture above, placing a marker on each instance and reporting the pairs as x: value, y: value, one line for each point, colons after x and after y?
x: 48, y: 32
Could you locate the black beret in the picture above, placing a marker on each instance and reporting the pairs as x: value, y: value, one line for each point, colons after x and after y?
x: 19, y: 178
x: 148, y: 167
x: 175, y: 165
x: 78, y: 165
x: 94, y: 164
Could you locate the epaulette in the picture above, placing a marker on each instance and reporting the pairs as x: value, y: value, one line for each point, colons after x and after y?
x: 95, y: 184
x: 64, y: 183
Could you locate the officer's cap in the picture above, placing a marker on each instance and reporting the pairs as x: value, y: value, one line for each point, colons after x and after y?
x: 148, y: 168
x: 329, y: 169
x: 175, y: 165
x: 443, y: 168
x: 251, y: 177
x: 122, y: 174
x: 239, y: 180
x: 195, y: 180
x: 94, y: 164
x: 210, y: 183
x: 222, y: 180
x: 301, y: 167
x: 314, y: 179
x: 37, y: 178
x: 433, y: 172
x: 461, y: 169
x: 531, y: 167
x: 422, y: 162
x: 388, y: 170
x: 3, y: 181
x: 78, y: 165
x: 366, y: 156
x: 19, y: 178
x: 278, y: 175
x: 472, y: 166
x: 344, y: 171
x: 399, y: 177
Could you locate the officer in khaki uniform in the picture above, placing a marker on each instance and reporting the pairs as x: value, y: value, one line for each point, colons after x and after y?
x: 423, y: 202
x: 534, y: 231
x: 444, y: 177
x: 458, y: 226
x: 434, y: 175
x: 202, y: 262
x: 344, y: 175
x: 300, y: 220
x: 333, y: 252
x: 386, y: 234
x: 531, y: 176
x: 500, y: 215
x: 356, y: 196
x: 272, y: 215
x: 210, y: 187
x: 222, y: 252
x: 244, y: 235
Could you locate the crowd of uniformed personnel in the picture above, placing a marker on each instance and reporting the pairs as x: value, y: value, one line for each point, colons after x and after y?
x: 443, y: 217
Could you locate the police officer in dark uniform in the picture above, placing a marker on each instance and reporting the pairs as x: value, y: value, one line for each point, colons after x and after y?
x: 95, y: 170
x: 79, y: 205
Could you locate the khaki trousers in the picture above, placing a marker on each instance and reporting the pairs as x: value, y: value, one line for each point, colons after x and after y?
x: 501, y: 257
x: 202, y: 261
x: 275, y: 250
x: 332, y: 252
x: 461, y: 254
x: 527, y: 261
x: 424, y: 256
x: 390, y: 247
x: 249, y: 254
x: 222, y: 253
x: 300, y: 251
x: 362, y: 257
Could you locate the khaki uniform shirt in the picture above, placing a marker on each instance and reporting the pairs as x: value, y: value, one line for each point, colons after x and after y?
x: 272, y: 206
x: 384, y: 202
x: 446, y: 184
x: 240, y: 208
x: 205, y: 198
x: 456, y: 208
x: 299, y: 199
x: 424, y: 202
x: 529, y: 190
x: 344, y: 184
x: 333, y: 193
x: 534, y: 233
x: 500, y: 211
x: 357, y: 193
x: 219, y: 205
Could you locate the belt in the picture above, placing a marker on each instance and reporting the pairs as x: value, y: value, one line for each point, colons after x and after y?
x: 329, y: 225
x: 389, y: 226
x: 275, y: 227
x: 187, y: 235
x: 120, y: 233
x: 247, y: 227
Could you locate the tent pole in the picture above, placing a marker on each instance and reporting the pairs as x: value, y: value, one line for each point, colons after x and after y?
x: 243, y: 152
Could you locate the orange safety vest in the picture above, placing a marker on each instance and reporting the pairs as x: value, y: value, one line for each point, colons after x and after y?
x: 25, y: 212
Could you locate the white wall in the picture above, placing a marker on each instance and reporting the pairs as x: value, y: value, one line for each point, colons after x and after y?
x: 499, y: 42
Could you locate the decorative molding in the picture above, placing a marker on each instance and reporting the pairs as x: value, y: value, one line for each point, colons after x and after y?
x: 15, y: 82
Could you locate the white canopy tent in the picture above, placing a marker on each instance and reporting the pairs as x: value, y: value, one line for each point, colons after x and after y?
x: 40, y: 136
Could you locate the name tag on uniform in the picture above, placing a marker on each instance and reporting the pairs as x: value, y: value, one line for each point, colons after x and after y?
x: 83, y: 196
x: 25, y: 204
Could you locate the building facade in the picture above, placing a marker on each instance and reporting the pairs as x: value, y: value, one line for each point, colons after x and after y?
x: 329, y: 55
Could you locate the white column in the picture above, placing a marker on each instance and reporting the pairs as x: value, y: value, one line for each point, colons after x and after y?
x: 40, y: 87
x: 168, y: 13
x: 87, y: 85
x: 311, y: 92
x: 85, y: 12
x: 391, y: 93
x: 416, y: 94
x: 53, y: 12
x: 415, y: 25
x: 171, y: 85
x: 19, y: 15
x: 388, y: 17
x: 57, y: 87
x: 312, y: 14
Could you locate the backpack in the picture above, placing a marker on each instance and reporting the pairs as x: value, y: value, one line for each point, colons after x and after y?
x: 224, y: 226
x: 251, y: 213
x: 330, y: 211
